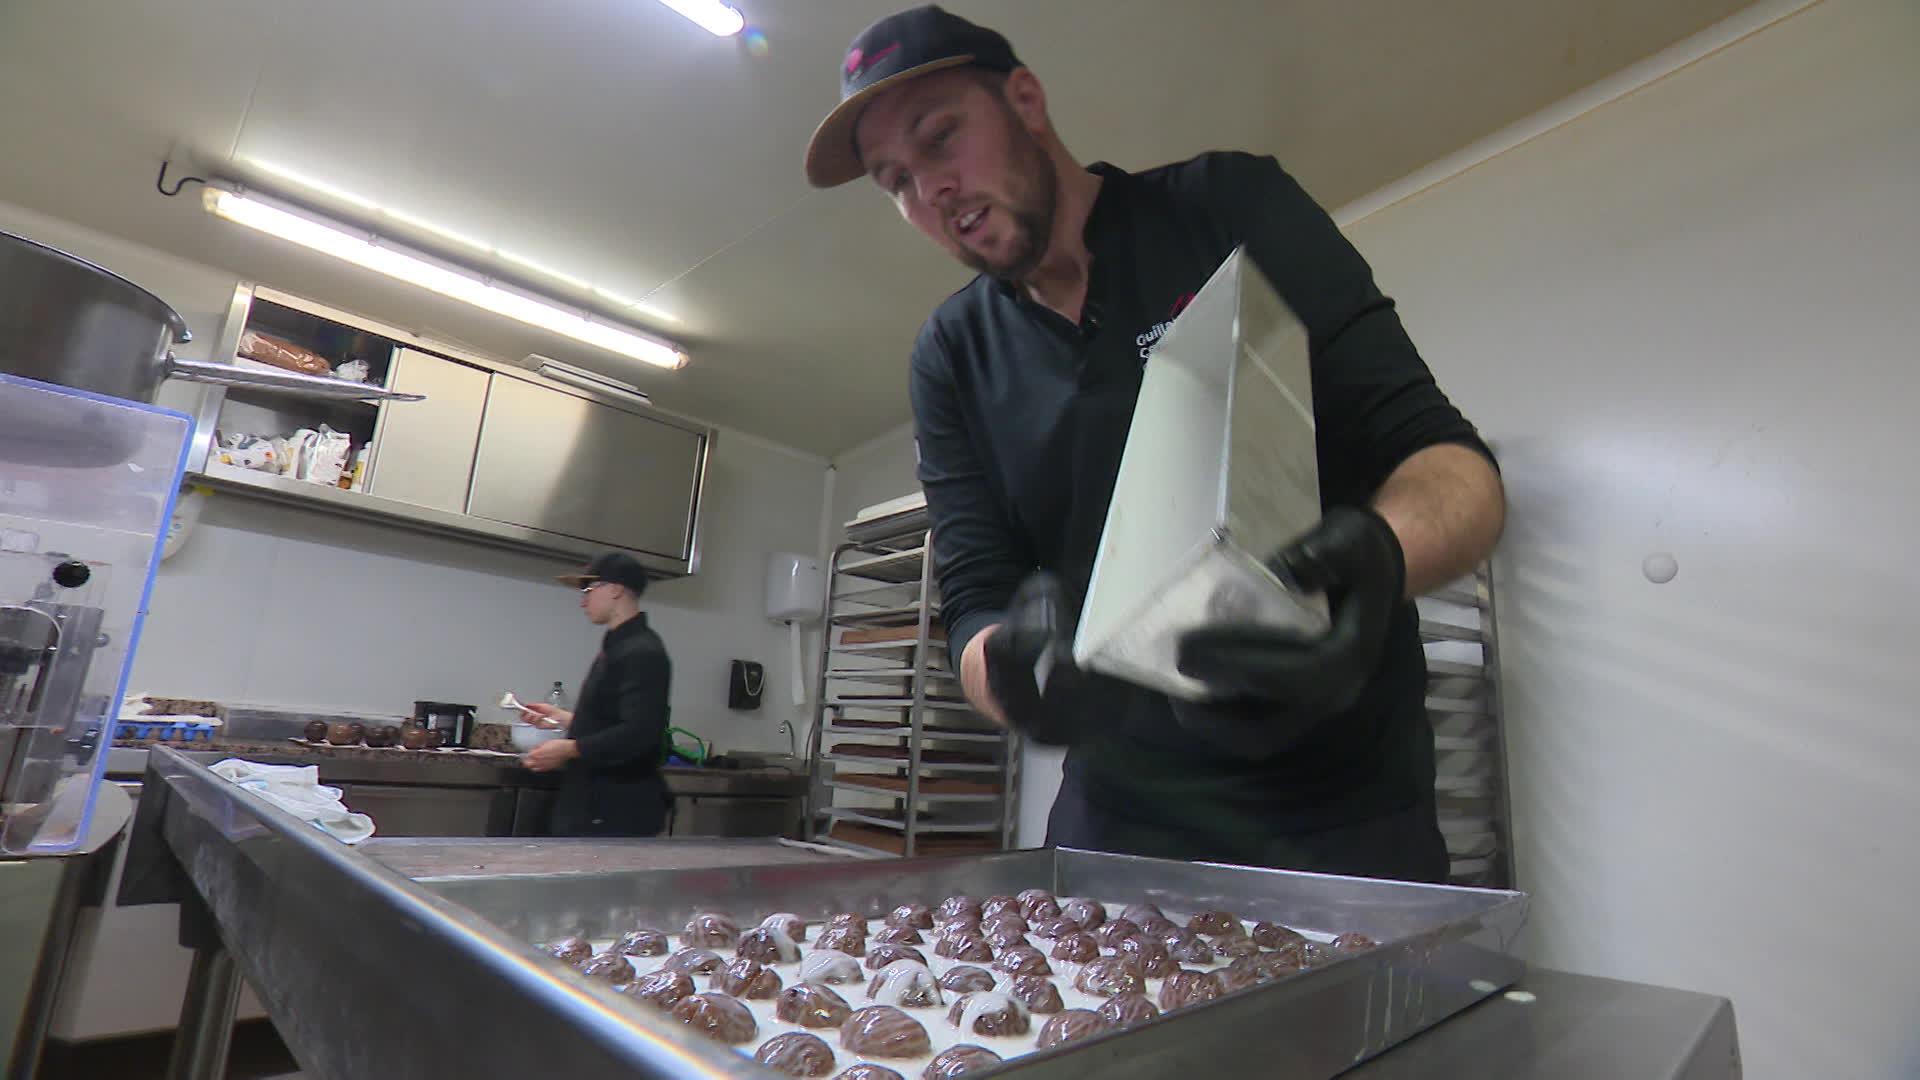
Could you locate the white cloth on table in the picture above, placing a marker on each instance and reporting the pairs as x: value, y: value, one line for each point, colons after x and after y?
x: 297, y: 790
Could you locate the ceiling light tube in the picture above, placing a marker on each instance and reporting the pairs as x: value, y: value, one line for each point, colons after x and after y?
x: 561, y: 371
x: 371, y: 252
x: 712, y: 16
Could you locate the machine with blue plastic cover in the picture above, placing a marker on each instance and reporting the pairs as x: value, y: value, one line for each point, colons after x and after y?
x: 87, y: 485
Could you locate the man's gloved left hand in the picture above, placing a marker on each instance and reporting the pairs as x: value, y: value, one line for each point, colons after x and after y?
x: 1354, y: 556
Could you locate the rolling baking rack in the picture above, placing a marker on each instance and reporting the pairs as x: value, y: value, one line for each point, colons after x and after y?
x: 900, y: 764
x: 1469, y: 738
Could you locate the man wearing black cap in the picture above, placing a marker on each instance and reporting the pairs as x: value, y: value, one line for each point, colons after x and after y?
x: 610, y: 781
x: 1311, y: 754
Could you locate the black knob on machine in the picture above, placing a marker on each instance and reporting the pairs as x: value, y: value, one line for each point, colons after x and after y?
x: 72, y: 574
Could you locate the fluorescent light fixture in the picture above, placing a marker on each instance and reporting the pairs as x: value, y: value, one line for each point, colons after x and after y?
x: 371, y: 252
x: 561, y: 371
x: 712, y: 16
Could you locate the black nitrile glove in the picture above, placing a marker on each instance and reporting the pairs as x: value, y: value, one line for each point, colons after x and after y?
x: 1030, y: 662
x: 1268, y: 681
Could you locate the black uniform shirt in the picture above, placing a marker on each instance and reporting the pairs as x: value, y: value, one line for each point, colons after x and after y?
x: 1021, y: 417
x: 622, y: 713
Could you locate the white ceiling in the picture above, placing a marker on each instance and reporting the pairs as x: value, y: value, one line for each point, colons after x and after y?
x: 621, y: 145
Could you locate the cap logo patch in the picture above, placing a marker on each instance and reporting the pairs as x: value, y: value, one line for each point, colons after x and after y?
x: 858, y: 62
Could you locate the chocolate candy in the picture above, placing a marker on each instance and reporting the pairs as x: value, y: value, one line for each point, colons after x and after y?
x: 811, y: 1005
x: 744, y: 977
x: 918, y: 916
x: 1149, y: 956
x: 1235, y: 946
x: 610, y: 968
x: 964, y: 947
x: 1038, y: 906
x: 787, y: 923
x: 965, y: 978
x: 1184, y: 988
x: 695, y: 962
x: 1265, y: 967
x: 1314, y: 954
x: 1051, y: 929
x: 1037, y: 993
x: 315, y: 731
x: 898, y: 935
x: 1186, y: 948
x: 1003, y: 937
x: 1213, y: 923
x: 1108, y: 976
x: 1005, y: 920
x: 1154, y: 926
x: 846, y: 939
x: 994, y: 905
x: 1236, y: 978
x: 958, y: 906
x: 867, y: 1070
x: 958, y: 1061
x: 767, y: 946
x: 848, y: 920
x: 1023, y: 960
x: 1353, y: 942
x: 1128, y: 1010
x: 796, y: 1053
x: 907, y: 985
x: 961, y: 926
x: 1088, y: 913
x: 829, y: 968
x: 573, y: 950
x: 1111, y: 934
x: 718, y: 1017
x: 1272, y: 936
x: 881, y: 955
x: 989, y: 1014
x: 883, y: 1031
x: 1076, y: 948
x: 661, y: 989
x: 709, y: 930
x: 1137, y: 914
x: 641, y: 943
x: 1071, y: 1025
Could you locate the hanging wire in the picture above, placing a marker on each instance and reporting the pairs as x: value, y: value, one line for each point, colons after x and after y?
x: 160, y: 182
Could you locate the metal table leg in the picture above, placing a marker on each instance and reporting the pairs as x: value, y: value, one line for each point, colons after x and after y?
x: 213, y: 993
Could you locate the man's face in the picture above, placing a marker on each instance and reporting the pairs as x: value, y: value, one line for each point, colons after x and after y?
x: 597, y: 600
x: 962, y: 167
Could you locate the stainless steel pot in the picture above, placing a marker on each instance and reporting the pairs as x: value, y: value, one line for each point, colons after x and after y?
x: 64, y: 320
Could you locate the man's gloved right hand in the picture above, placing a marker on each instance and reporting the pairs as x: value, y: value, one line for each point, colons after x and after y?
x: 1029, y: 662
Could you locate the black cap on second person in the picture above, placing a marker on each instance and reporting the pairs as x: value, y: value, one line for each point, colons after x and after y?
x: 897, y: 48
x: 615, y: 566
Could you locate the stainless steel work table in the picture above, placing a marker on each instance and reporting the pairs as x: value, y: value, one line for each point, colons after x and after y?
x: 367, y: 973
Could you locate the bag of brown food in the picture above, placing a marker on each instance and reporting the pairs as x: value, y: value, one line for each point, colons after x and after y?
x: 282, y: 354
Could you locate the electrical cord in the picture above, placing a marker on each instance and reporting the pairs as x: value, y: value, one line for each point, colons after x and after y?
x: 160, y: 182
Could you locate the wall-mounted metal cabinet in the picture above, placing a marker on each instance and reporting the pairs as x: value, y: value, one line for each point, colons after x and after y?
x: 494, y: 454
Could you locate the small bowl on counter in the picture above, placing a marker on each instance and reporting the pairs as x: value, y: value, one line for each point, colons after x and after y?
x: 526, y: 736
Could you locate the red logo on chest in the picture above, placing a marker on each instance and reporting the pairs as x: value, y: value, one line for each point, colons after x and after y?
x: 1180, y: 305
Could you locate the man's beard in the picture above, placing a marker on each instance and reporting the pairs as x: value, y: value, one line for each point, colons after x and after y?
x: 1030, y: 207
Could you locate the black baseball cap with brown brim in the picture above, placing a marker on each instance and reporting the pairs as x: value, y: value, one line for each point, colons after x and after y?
x: 915, y: 42
x: 615, y: 566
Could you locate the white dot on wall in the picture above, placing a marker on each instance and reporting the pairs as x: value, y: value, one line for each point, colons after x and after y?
x: 1660, y: 567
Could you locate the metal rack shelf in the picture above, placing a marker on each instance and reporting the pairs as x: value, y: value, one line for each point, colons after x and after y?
x: 881, y: 581
x: 1463, y: 704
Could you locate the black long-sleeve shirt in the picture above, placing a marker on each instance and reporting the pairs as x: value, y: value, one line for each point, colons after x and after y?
x: 1021, y: 416
x: 613, y: 787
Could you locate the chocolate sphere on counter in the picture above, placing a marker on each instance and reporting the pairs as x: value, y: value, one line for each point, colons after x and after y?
x: 918, y: 916
x: 1149, y: 956
x: 610, y: 968
x: 341, y: 733
x: 767, y: 946
x: 1214, y: 922
x: 971, y: 947
x: 796, y: 1053
x: 1037, y: 993
x: 965, y: 978
x: 1037, y: 904
x: 829, y: 967
x: 1023, y: 960
x: 1004, y: 920
x: 1054, y: 929
x: 641, y: 942
x: 881, y: 955
x: 1108, y: 976
x: 846, y: 939
x: 744, y: 977
x: 906, y: 985
x: 1112, y: 933
x: 718, y: 1017
x: 867, y: 1070
x: 959, y: 1061
x: 1353, y: 942
x: 1076, y: 948
x: 413, y: 737
x: 1272, y: 936
x: 1002, y: 938
x: 661, y: 989
x: 789, y: 924
x: 1088, y: 913
x: 1071, y: 1025
x: 994, y: 905
x: 1189, y: 949
x: 898, y: 935
x: 989, y: 1014
x: 811, y: 1005
x: 710, y: 930
x: 883, y: 1031
x: 574, y: 950
x: 316, y: 731
x: 1184, y: 988
x: 1128, y: 1010
x: 695, y: 961
x: 383, y: 736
